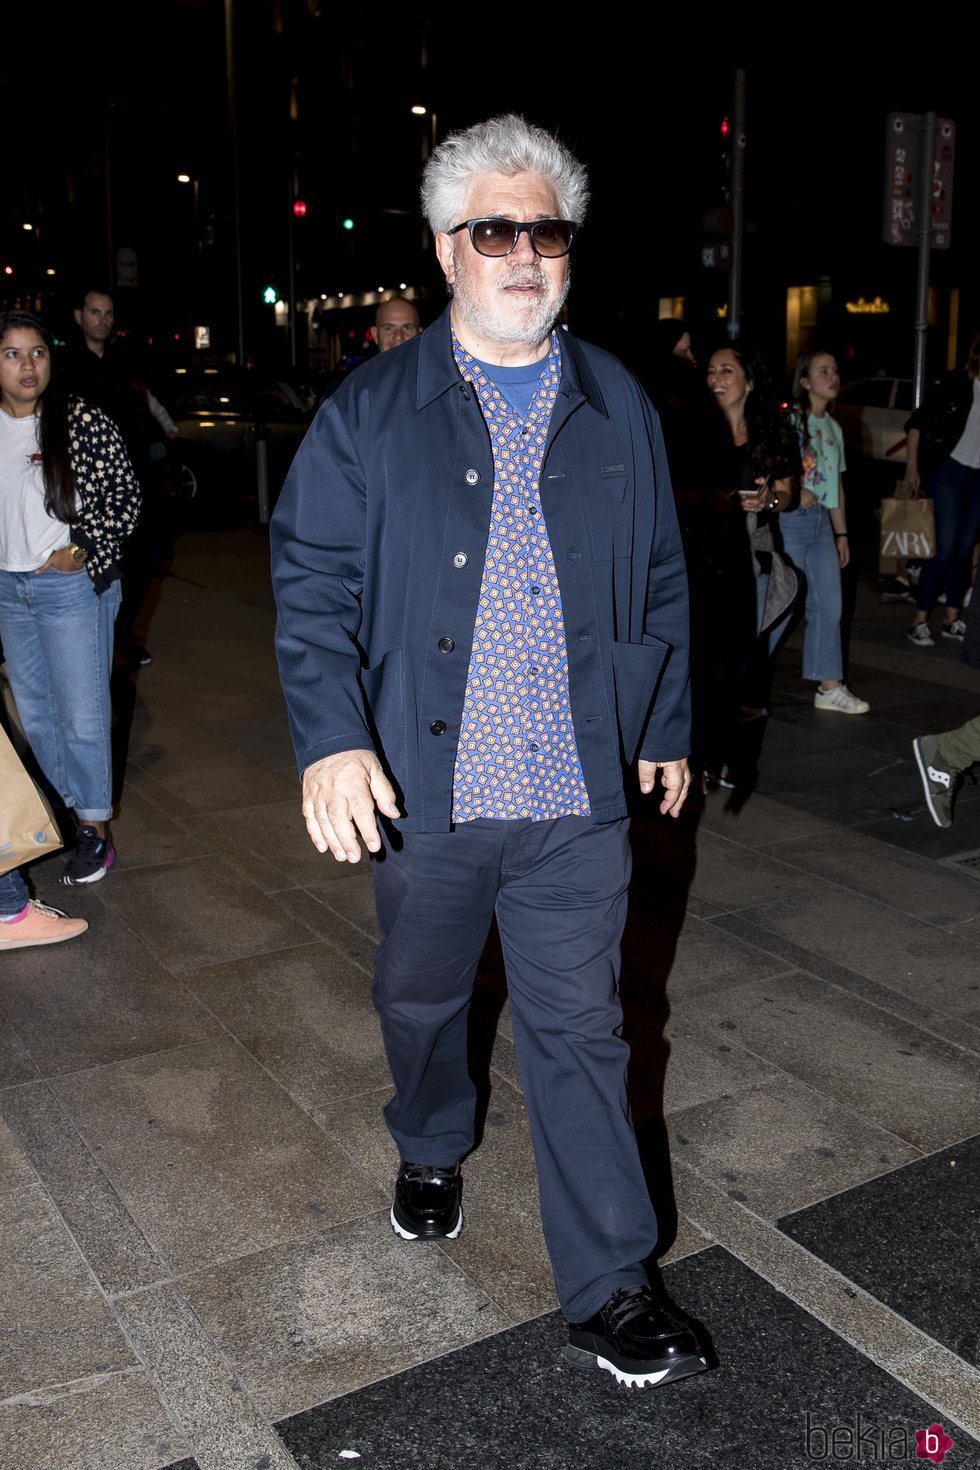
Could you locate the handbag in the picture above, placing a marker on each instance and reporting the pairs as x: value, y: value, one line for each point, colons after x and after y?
x: 27, y: 828
x: 908, y: 532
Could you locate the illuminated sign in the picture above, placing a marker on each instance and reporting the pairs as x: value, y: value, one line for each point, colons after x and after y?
x: 860, y: 307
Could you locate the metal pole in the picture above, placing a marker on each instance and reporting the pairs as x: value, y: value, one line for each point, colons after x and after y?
x: 292, y: 278
x: 236, y: 170
x: 110, y: 257
x: 923, y: 222
x: 734, y: 325
x: 262, y: 471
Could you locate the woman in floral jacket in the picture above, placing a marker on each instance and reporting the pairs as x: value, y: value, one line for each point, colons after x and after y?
x: 68, y: 500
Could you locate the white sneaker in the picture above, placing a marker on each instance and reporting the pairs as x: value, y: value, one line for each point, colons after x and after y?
x: 921, y: 634
x: 841, y: 701
x: 955, y: 630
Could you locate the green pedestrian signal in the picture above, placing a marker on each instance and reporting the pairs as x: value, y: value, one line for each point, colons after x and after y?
x: 270, y: 295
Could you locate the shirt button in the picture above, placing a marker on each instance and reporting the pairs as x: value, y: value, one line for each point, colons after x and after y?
x: 534, y: 589
x: 438, y: 727
x: 533, y: 669
x: 534, y: 745
x: 532, y: 510
x: 446, y: 645
x: 472, y: 477
x: 460, y: 559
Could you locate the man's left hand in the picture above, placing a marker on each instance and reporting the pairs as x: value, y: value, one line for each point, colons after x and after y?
x: 676, y: 778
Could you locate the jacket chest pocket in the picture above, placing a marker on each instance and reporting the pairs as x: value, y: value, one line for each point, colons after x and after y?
x: 611, y: 514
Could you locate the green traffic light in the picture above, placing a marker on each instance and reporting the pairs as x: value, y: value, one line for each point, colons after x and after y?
x: 348, y: 223
x: 270, y: 296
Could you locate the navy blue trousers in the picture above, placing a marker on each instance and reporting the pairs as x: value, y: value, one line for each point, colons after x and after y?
x: 559, y: 891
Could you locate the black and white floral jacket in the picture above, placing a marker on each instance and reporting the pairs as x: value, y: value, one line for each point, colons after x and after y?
x: 107, y: 488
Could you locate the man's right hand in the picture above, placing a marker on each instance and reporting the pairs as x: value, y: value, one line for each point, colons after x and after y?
x: 340, y: 794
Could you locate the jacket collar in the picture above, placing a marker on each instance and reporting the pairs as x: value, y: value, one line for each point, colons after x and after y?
x: 437, y: 370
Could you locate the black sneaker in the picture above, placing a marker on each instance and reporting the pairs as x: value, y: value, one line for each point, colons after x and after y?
x: 90, y: 859
x: 427, y: 1202
x: 639, y: 1338
x: 897, y: 590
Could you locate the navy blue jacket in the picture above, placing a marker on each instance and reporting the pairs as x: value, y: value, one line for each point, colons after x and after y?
x: 379, y: 540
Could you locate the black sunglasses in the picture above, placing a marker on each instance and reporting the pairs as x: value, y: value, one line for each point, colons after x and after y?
x: 492, y: 236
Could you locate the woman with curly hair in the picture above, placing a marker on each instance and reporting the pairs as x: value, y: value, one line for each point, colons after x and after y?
x: 68, y: 500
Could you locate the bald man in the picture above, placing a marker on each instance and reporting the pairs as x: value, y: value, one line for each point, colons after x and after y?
x: 395, y: 321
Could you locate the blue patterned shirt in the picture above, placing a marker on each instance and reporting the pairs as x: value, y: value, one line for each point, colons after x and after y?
x: 517, y: 756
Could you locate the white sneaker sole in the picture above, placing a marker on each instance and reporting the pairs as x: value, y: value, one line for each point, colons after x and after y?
x: 404, y: 1234
x: 683, y: 1368
x: 927, y: 789
x: 839, y: 709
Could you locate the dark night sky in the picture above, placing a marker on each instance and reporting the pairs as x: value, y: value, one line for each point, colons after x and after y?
x: 643, y: 113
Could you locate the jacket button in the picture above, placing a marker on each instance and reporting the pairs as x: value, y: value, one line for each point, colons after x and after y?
x: 446, y: 645
x: 460, y: 559
x: 438, y: 727
x: 472, y: 477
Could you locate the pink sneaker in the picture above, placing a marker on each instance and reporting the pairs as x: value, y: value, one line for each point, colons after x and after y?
x: 39, y: 925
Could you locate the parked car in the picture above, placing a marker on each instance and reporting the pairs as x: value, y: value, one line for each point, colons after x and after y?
x: 872, y: 413
x: 221, y: 411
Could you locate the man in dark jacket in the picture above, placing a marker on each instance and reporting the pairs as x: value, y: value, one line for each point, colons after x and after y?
x: 482, y: 612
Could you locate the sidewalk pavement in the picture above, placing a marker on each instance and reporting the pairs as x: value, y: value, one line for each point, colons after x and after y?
x: 198, y: 1268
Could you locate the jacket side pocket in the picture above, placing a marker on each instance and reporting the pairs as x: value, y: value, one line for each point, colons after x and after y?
x: 637, y: 670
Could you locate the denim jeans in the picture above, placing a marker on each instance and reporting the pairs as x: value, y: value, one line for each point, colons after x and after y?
x: 558, y: 889
x: 808, y: 541
x: 955, y: 492
x: 57, y: 642
x: 13, y: 893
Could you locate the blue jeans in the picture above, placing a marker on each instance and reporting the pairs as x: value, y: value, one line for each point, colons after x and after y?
x: 13, y: 893
x: 57, y: 642
x: 955, y: 492
x: 808, y: 540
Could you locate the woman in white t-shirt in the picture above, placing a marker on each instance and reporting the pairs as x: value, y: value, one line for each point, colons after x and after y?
x: 68, y: 500
x: 815, y: 534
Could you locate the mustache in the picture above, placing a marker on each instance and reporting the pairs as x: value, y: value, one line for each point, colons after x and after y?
x: 523, y: 275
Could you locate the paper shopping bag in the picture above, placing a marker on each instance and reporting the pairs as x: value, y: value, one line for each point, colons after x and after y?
x: 27, y: 828
x: 908, y: 532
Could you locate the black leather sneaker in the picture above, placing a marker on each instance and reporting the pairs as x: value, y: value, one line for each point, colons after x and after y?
x: 637, y: 1337
x: 91, y: 857
x: 427, y: 1202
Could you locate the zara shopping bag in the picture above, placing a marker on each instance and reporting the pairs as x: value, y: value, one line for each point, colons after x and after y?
x: 908, y: 532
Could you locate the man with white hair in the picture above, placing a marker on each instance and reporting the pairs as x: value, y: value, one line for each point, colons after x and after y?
x: 482, y: 615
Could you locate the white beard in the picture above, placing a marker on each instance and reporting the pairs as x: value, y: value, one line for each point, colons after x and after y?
x: 530, y: 324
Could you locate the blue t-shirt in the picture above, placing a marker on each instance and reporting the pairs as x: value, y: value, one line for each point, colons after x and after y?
x: 517, y: 384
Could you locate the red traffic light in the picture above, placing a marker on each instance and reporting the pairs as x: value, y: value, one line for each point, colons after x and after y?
x: 299, y: 208
x: 726, y: 128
